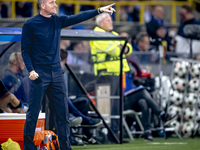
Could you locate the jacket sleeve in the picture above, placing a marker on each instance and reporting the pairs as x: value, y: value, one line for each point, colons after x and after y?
x: 151, y: 28
x: 129, y: 47
x: 26, y: 41
x: 74, y: 19
x: 110, y: 47
x: 134, y: 64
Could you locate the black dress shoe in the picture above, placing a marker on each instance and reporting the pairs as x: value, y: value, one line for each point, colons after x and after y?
x: 148, y: 136
x: 168, y: 118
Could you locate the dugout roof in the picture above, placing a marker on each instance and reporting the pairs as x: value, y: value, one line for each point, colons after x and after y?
x: 14, y: 35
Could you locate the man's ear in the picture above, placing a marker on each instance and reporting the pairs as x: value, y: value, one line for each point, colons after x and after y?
x: 42, y: 6
x: 100, y: 24
x: 14, y: 62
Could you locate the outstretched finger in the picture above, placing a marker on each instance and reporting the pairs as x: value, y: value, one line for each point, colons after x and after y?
x: 111, y: 5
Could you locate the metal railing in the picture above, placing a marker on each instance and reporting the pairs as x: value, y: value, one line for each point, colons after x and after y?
x: 99, y: 3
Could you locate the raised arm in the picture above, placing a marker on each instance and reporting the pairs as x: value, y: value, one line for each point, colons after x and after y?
x: 85, y: 15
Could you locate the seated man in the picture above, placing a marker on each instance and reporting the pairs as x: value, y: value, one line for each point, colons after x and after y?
x: 87, y: 121
x: 140, y: 99
x: 13, y: 82
x: 142, y: 44
x: 14, y: 77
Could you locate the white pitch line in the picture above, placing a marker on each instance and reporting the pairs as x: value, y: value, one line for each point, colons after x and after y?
x: 157, y: 143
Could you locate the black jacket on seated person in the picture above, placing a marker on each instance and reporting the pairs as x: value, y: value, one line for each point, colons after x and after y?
x: 152, y: 26
x: 180, y: 29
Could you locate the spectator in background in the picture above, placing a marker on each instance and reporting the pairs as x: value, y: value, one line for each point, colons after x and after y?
x: 124, y: 34
x: 142, y: 44
x: 182, y: 43
x: 156, y: 21
x: 148, y: 13
x: 76, y: 46
x: 80, y: 50
x: 86, y: 7
x: 73, y: 47
x: 3, y: 10
x: 75, y: 54
x: 66, y: 9
x: 23, y: 9
x: 187, y: 17
x: 86, y: 45
x: 162, y: 35
x: 157, y: 30
x: 14, y: 77
x: 123, y: 13
x: 79, y: 57
x: 133, y: 13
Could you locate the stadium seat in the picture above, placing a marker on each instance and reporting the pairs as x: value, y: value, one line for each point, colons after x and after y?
x: 129, y: 113
x: 136, y: 114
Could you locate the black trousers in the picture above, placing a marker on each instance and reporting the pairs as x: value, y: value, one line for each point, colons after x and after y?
x: 50, y: 82
x: 142, y: 101
x: 83, y: 105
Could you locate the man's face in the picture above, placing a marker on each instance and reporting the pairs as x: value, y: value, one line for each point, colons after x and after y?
x: 78, y: 47
x: 159, y: 12
x: 21, y: 4
x: 144, y: 45
x: 20, y: 62
x: 49, y: 6
x: 106, y: 23
x: 161, y: 32
x: 183, y: 14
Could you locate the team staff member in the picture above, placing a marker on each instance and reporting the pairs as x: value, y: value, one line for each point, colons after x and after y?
x: 40, y: 51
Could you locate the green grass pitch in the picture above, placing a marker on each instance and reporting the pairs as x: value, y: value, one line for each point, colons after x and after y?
x: 141, y: 144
